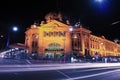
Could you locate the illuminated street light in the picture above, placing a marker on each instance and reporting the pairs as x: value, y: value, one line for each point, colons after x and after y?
x: 8, y: 37
x: 71, y: 29
x: 99, y: 1
x: 15, y: 28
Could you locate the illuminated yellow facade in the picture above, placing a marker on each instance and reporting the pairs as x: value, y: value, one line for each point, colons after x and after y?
x: 103, y: 46
x: 55, y: 38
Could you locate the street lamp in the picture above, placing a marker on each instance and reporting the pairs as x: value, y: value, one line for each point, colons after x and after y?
x: 71, y: 29
x: 99, y: 1
x: 14, y: 28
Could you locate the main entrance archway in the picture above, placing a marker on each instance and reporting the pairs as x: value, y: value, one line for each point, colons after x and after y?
x: 54, y: 51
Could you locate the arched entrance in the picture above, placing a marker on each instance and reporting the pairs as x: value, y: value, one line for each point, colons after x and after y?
x: 54, y: 52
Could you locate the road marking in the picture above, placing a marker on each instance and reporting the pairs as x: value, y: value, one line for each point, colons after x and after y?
x: 28, y: 62
x: 92, y: 75
x: 63, y: 74
x: 95, y: 69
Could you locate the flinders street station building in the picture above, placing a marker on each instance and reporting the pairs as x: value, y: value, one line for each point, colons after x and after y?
x: 54, y: 38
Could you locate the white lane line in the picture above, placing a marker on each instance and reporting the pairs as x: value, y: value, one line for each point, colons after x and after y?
x: 68, y: 77
x: 94, y: 69
x: 92, y: 75
x: 28, y: 62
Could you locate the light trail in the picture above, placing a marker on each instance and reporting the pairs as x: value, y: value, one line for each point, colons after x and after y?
x: 77, y: 71
x: 22, y: 68
x: 98, y: 74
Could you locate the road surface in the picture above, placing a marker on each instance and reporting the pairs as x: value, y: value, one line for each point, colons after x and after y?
x: 88, y: 71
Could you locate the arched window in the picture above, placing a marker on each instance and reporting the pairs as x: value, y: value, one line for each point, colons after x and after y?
x: 35, y: 42
x: 54, y: 46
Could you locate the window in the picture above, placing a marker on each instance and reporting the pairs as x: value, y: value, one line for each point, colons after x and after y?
x: 51, y: 34
x: 35, y: 42
x: 63, y: 33
x: 46, y: 34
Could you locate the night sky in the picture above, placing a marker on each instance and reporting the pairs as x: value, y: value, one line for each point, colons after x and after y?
x: 98, y: 17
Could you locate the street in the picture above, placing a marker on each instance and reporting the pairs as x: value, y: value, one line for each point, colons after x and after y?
x: 85, y: 71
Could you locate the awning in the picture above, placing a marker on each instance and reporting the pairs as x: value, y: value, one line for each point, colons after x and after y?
x: 17, y: 45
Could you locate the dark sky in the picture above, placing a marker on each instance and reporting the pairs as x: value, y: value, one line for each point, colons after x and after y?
x: 98, y: 17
